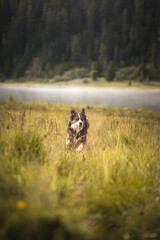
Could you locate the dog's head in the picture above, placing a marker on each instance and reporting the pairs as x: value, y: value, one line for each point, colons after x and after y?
x: 78, y: 121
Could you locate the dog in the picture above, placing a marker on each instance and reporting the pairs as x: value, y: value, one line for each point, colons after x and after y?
x: 77, y: 130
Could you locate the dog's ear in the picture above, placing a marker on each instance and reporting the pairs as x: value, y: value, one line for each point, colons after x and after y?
x: 83, y: 111
x: 86, y: 119
x: 73, y: 113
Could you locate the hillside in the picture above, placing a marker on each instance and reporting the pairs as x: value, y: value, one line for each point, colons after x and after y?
x: 117, y: 39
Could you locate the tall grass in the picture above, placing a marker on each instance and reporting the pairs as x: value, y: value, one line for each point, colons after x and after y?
x: 108, y: 191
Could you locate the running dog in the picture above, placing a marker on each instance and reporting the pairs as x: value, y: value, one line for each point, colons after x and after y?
x: 77, y: 130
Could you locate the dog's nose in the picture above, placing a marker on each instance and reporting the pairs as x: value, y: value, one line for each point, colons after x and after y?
x: 80, y: 124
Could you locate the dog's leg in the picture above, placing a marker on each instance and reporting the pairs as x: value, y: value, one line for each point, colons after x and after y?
x: 80, y: 147
x: 68, y: 140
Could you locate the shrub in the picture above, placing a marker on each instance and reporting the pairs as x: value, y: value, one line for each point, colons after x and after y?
x: 128, y: 73
x: 85, y: 81
x: 62, y: 78
x: 77, y: 73
x: 72, y: 74
x: 139, y: 73
x: 94, y: 75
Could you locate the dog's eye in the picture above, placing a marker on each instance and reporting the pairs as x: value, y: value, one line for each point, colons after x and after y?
x: 77, y: 119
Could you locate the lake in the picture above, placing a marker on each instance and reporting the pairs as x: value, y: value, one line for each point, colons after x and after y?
x: 147, y: 99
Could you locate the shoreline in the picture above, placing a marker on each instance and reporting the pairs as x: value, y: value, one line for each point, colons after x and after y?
x: 101, y: 83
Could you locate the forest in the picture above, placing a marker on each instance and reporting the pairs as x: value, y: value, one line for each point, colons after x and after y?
x: 115, y: 39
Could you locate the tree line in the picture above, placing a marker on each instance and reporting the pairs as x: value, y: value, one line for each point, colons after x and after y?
x: 46, y: 37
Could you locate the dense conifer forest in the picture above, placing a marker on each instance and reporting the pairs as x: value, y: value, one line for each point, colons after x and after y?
x: 108, y: 38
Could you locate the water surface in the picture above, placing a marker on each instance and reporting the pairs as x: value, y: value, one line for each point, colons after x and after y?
x: 147, y: 99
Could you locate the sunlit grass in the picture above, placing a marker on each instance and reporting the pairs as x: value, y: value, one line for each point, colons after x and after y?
x: 108, y: 191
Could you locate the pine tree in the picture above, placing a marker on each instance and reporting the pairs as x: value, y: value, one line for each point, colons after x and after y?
x: 110, y: 74
x: 75, y: 50
x: 80, y: 32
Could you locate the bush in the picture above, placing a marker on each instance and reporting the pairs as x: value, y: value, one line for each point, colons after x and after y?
x: 60, y: 68
x: 71, y: 74
x: 94, y: 75
x: 139, y: 73
x: 85, y: 81
x: 59, y: 78
x: 128, y: 73
x: 150, y: 72
x: 77, y: 73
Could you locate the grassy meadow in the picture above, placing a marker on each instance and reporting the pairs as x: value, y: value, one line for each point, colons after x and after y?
x: 111, y: 190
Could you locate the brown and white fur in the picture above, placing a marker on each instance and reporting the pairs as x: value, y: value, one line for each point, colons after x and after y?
x: 77, y: 130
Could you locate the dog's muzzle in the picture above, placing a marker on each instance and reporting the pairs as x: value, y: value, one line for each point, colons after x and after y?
x: 78, y: 126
